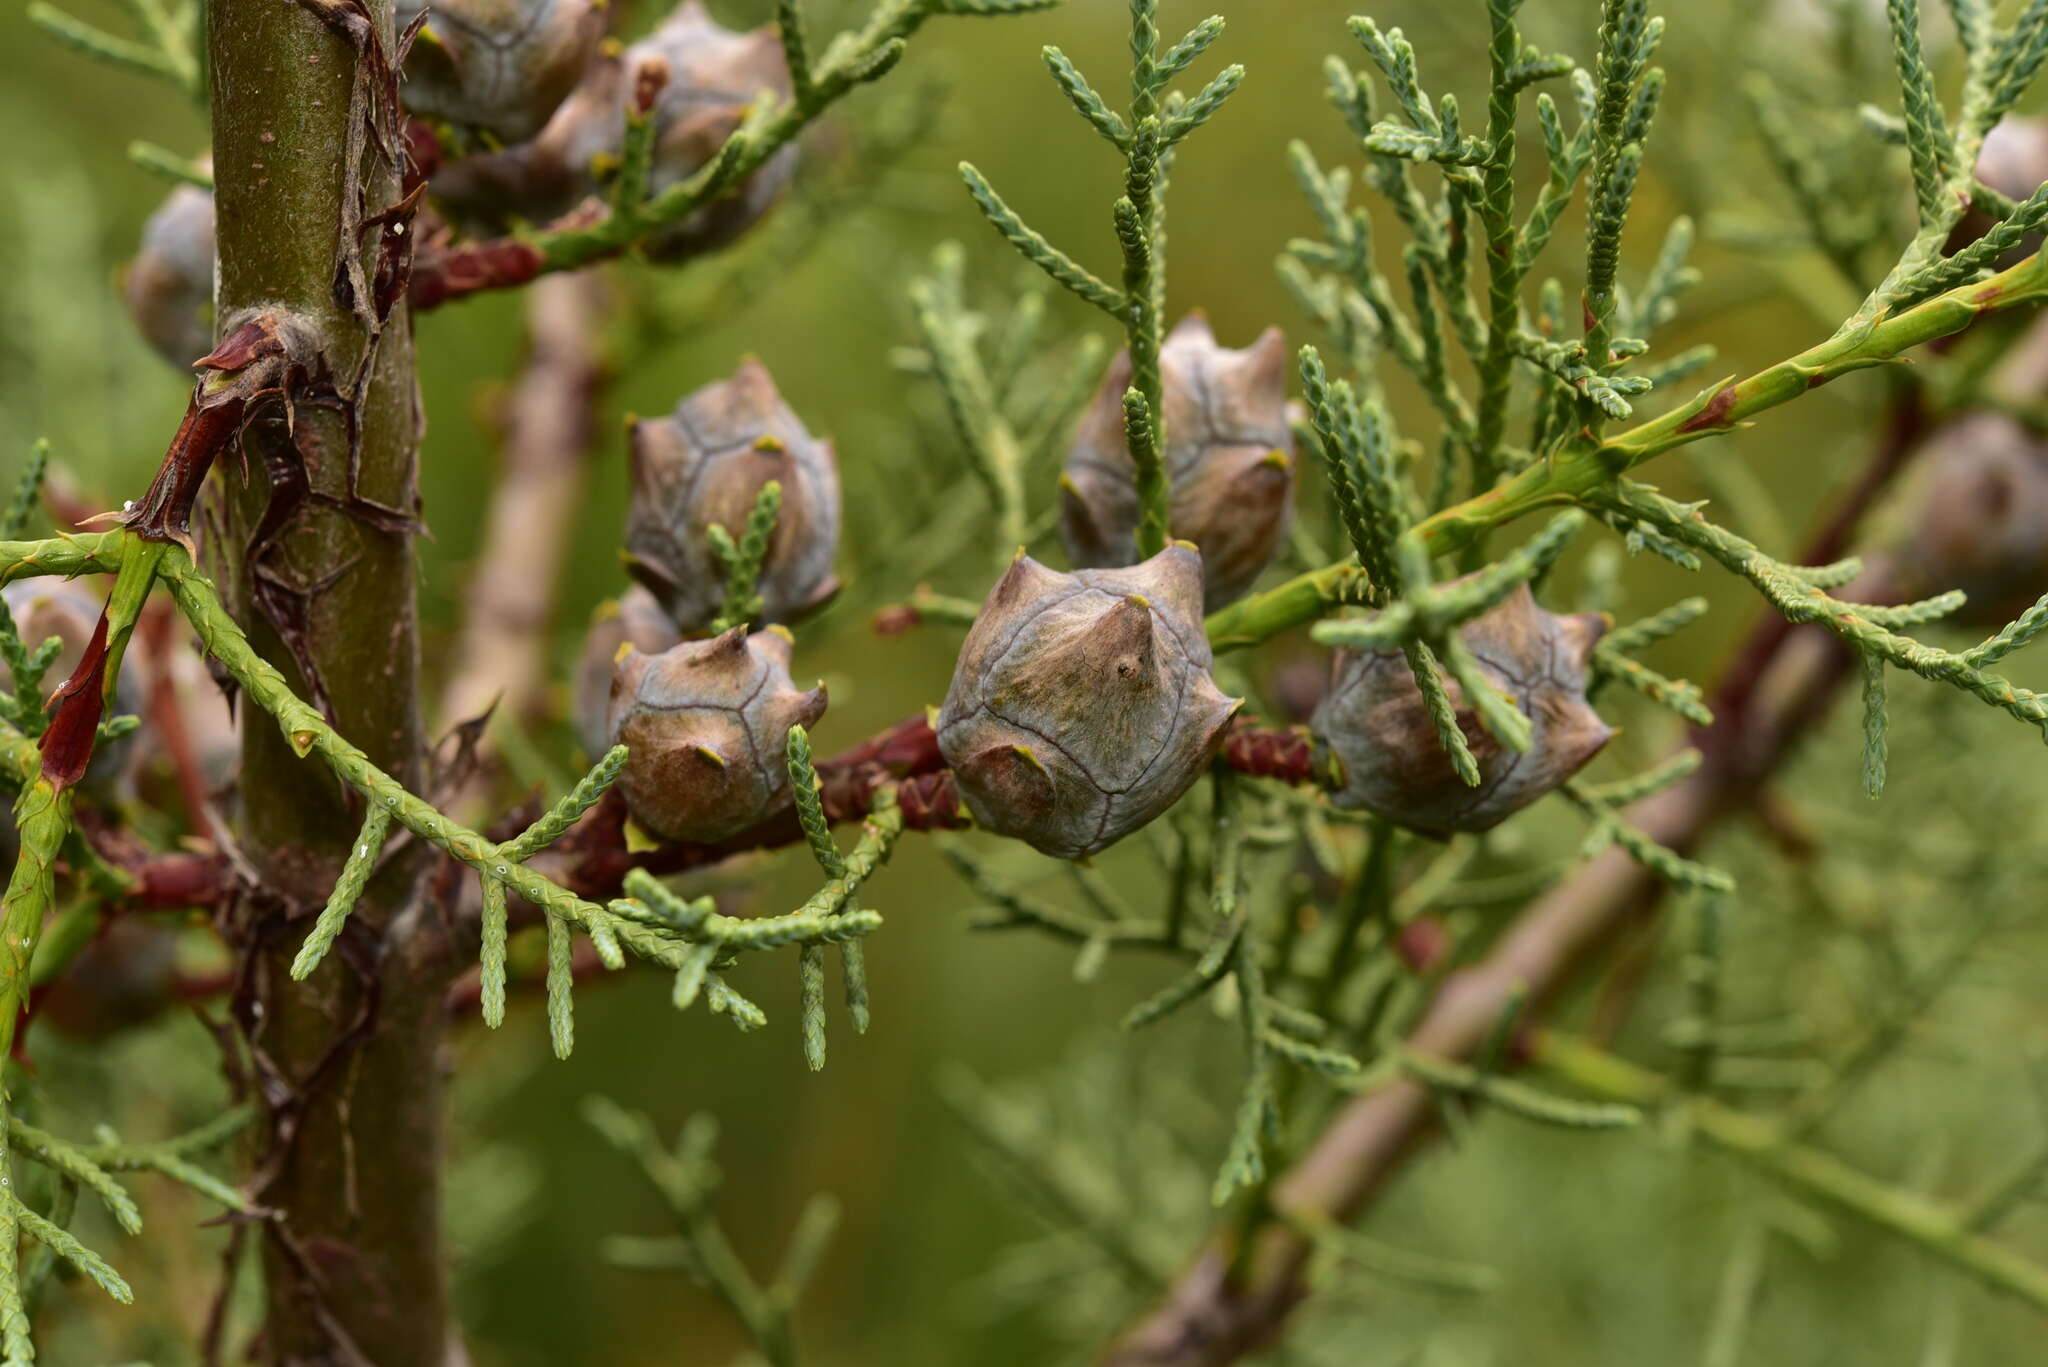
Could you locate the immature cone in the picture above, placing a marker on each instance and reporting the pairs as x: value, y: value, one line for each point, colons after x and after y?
x: 1981, y: 522
x: 712, y: 75
x: 633, y: 619
x: 500, y: 65
x: 1081, y: 706
x: 705, y: 464
x: 1375, y: 721
x: 1229, y: 460
x: 168, y: 287
x: 706, y: 723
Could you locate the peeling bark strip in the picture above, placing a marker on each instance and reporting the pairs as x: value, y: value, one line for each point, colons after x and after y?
x: 313, y: 555
x: 254, y: 362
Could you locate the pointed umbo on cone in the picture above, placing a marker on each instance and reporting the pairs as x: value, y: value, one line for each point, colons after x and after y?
x: 1081, y: 705
x: 705, y: 724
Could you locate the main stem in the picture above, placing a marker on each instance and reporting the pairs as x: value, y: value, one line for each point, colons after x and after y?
x: 349, y: 1061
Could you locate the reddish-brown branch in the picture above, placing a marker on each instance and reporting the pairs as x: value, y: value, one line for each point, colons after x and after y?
x: 1288, y: 756
x: 593, y: 858
x: 445, y: 270
x: 908, y: 747
x: 896, y: 619
x: 442, y: 274
x: 185, y: 879
x: 423, y: 155
x: 162, y: 881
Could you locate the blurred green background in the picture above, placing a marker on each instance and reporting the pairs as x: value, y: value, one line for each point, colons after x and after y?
x: 1612, y: 1248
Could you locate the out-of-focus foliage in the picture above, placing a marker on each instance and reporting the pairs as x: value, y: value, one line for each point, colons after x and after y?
x: 1520, y: 1245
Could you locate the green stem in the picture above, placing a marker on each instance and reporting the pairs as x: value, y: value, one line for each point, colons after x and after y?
x: 1144, y: 274
x: 1301, y: 599
x: 65, y: 556
x: 132, y: 584
x: 686, y: 1182
x: 1496, y: 206
x: 1582, y: 470
x: 42, y: 816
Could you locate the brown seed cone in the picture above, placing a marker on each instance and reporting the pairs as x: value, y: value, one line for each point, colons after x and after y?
x: 713, y: 75
x: 1081, y: 706
x: 705, y: 464
x: 503, y: 66
x: 1375, y: 721
x: 1981, y: 522
x: 706, y: 723
x: 168, y: 287
x: 2014, y: 162
x: 1229, y: 460
x: 2014, y: 157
